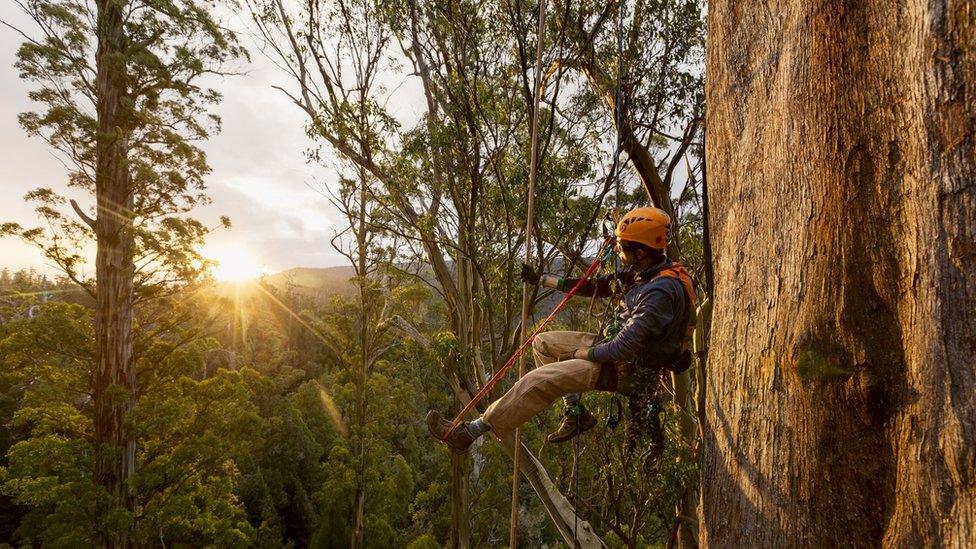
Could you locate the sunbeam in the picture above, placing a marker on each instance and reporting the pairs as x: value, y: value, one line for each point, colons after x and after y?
x: 332, y: 410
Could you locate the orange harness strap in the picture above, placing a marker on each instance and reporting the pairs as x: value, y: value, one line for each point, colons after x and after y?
x: 679, y: 272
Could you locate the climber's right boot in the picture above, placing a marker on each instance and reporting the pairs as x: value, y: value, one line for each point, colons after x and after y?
x: 457, y: 440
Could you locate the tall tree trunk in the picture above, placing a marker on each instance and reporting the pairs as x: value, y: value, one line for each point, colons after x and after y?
x: 460, y: 520
x: 358, y: 516
x: 841, y: 405
x: 113, y: 379
x: 359, y: 499
x: 684, y: 511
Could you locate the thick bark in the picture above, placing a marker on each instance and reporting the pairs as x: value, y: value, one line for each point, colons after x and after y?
x: 113, y: 378
x: 841, y: 393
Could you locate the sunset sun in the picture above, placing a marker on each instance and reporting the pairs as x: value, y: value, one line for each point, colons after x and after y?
x: 234, y: 265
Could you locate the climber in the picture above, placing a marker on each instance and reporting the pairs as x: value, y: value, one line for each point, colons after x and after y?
x: 654, y: 317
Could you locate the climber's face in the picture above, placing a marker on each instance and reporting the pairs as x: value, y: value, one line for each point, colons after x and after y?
x: 629, y: 254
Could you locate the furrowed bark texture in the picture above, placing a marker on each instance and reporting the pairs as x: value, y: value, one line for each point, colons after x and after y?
x: 113, y: 378
x: 841, y: 392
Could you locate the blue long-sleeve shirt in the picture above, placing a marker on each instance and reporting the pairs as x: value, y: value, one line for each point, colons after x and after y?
x: 652, y: 317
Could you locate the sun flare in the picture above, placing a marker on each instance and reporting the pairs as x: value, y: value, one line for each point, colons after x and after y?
x: 234, y: 265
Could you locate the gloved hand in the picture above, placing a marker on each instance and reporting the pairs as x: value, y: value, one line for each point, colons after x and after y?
x: 575, y: 353
x: 529, y: 275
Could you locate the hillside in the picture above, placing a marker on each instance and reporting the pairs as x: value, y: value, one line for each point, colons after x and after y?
x: 318, y: 282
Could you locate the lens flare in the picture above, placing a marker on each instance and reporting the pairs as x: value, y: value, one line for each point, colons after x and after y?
x: 234, y: 264
x: 332, y: 410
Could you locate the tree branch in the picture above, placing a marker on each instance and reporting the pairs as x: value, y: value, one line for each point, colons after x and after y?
x: 84, y: 217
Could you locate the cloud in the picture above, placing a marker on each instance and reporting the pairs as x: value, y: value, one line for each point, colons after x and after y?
x: 260, y: 176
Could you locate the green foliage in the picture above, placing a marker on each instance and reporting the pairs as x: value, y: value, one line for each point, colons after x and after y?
x: 189, y: 435
x: 48, y: 464
x: 126, y: 90
x: 271, y: 453
x: 192, y: 434
x: 425, y: 541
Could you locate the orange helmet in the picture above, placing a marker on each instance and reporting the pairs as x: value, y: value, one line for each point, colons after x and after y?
x: 647, y: 226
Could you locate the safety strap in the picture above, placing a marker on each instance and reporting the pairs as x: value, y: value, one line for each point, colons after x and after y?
x: 500, y: 373
x: 678, y: 271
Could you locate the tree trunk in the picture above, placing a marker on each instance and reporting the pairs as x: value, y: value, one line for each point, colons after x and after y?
x: 684, y: 511
x: 575, y: 530
x: 358, y: 517
x: 460, y: 523
x: 841, y: 406
x: 113, y: 379
x: 365, y: 323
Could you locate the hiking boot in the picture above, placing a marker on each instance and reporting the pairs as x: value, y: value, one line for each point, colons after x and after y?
x: 458, y: 441
x: 575, y: 421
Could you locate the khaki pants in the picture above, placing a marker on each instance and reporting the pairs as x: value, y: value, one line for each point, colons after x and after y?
x: 539, y: 388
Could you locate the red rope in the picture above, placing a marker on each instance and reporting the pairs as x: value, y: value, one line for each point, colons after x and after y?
x: 500, y: 373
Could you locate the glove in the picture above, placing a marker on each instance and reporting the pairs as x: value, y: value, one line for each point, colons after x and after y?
x: 529, y: 275
x: 568, y: 355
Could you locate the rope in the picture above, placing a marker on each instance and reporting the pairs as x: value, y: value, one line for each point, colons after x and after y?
x: 576, y: 455
x: 618, y: 98
x: 499, y: 374
x: 526, y: 297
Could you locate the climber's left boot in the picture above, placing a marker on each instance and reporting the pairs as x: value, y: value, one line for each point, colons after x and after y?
x: 576, y: 420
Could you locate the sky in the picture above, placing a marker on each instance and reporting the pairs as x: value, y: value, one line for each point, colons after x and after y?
x: 260, y: 177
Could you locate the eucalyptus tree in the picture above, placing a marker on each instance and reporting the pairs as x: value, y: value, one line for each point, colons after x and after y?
x: 643, y: 62
x: 840, y: 405
x: 370, y: 335
x: 121, y: 100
